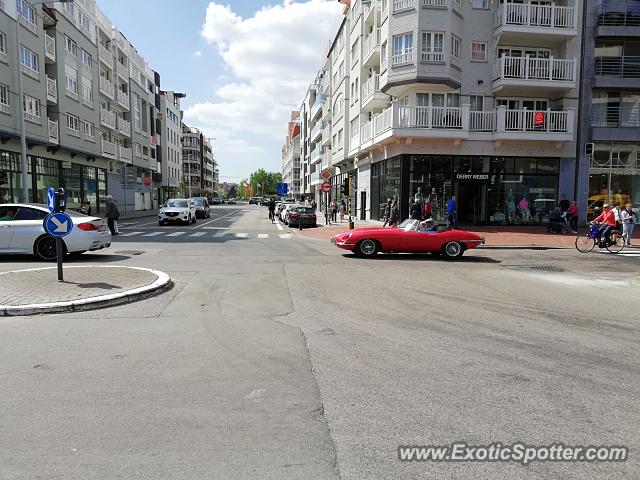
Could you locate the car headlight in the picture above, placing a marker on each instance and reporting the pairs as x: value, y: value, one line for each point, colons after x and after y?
x: 161, y: 211
x: 184, y: 212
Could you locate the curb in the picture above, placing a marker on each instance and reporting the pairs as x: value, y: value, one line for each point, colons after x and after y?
x: 161, y: 284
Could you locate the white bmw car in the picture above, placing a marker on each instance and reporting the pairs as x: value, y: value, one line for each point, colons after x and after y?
x: 177, y: 210
x: 22, y: 232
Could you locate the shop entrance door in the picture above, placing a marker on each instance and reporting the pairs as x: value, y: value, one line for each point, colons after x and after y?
x: 471, y: 203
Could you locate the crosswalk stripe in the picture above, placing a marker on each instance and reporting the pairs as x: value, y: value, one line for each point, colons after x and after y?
x: 242, y: 235
x: 279, y: 225
x: 176, y: 234
x: 153, y: 234
x: 286, y: 236
x: 221, y: 234
x: 198, y: 234
x: 263, y: 235
x: 130, y: 234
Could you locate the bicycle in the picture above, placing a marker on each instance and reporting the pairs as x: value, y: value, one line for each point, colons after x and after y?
x: 587, y: 241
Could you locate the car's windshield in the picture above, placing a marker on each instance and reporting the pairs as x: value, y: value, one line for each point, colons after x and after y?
x: 177, y: 204
x: 199, y: 203
x: 304, y: 210
x: 409, y: 224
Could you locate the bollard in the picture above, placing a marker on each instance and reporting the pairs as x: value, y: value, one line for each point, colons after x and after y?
x: 351, y: 226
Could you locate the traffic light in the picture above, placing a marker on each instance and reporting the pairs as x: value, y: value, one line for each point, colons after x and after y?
x: 344, y: 189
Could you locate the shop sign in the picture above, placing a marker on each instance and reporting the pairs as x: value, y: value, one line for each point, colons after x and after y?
x: 472, y: 177
x: 147, y: 180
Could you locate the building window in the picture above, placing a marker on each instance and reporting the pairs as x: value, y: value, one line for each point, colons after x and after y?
x: 70, y: 46
x: 432, y: 47
x: 27, y: 11
x: 355, y: 54
x: 68, y: 7
x: 85, y: 24
x: 73, y: 123
x: 29, y: 61
x: 402, y: 48
x: 478, y: 51
x: 136, y: 112
x: 88, y: 129
x: 31, y: 108
x: 3, y: 47
x: 85, y: 58
x: 71, y: 80
x: 455, y: 47
x: 87, y: 89
x: 477, y: 103
x: 4, y: 99
x: 480, y: 4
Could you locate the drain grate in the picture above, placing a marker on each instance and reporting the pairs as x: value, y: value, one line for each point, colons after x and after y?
x: 129, y: 252
x: 546, y: 268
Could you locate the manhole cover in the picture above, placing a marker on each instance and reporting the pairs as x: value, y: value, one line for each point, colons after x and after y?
x: 129, y: 252
x: 546, y: 268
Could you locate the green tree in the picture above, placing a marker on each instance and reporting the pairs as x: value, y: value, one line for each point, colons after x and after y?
x: 263, y: 182
x: 232, y: 193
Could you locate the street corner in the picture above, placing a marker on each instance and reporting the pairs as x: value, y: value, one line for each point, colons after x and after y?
x: 88, y: 287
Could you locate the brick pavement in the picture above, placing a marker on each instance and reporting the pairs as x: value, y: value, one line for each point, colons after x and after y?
x: 39, y: 286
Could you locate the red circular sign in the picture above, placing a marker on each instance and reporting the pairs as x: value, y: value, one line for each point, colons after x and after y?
x: 147, y: 180
x: 325, y: 187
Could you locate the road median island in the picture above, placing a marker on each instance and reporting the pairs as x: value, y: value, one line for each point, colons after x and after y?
x: 87, y: 287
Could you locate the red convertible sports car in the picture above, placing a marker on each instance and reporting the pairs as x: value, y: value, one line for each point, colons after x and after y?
x: 366, y: 242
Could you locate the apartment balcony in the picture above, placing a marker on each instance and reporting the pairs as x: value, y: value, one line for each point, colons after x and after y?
x: 616, y: 72
x: 107, y: 88
x: 52, y: 90
x: 54, y: 132
x: 326, y: 159
x: 125, y: 154
x: 398, y: 6
x: 123, y: 99
x: 124, y: 127
x: 109, y: 149
x: 534, y: 125
x: 372, y: 97
x: 326, y: 112
x: 315, y: 178
x: 107, y: 118
x: 316, y: 108
x: 371, y: 12
x: 441, y: 4
x: 316, y: 154
x: 316, y: 132
x: 611, y: 122
x: 624, y: 22
x: 49, y: 48
x: 326, y: 134
x: 122, y: 70
x: 526, y: 22
x: 105, y: 56
x: 371, y: 49
x: 537, y: 75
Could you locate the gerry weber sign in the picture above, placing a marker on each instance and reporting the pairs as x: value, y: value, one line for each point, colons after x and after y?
x: 473, y: 177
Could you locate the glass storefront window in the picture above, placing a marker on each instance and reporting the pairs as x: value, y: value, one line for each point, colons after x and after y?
x: 90, y: 186
x: 102, y: 189
x: 521, y: 199
x: 72, y: 185
x: 47, y: 175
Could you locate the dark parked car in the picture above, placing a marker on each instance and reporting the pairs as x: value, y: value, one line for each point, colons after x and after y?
x: 216, y: 201
x: 302, y: 216
x: 202, y: 207
x: 255, y: 200
x: 231, y: 201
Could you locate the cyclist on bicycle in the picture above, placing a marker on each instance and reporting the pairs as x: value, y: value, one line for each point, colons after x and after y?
x: 607, y: 219
x: 272, y: 209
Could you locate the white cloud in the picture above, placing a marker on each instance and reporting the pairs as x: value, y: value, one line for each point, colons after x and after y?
x: 270, y: 59
x: 197, y: 53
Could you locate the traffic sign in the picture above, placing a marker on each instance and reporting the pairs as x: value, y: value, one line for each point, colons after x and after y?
x: 326, y: 174
x: 51, y: 199
x: 325, y: 187
x: 58, y: 224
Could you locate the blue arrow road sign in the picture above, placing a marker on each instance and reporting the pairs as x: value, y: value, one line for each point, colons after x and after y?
x: 51, y: 199
x: 285, y: 188
x: 58, y: 224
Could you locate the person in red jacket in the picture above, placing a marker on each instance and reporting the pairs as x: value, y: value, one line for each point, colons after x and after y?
x: 608, y: 220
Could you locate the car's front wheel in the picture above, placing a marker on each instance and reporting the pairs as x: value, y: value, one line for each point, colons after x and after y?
x: 45, y: 248
x: 452, y: 250
x: 367, y: 248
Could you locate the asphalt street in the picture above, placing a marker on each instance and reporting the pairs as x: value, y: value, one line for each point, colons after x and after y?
x: 281, y: 357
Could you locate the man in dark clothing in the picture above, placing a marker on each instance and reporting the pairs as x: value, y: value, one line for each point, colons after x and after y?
x: 272, y: 208
x: 112, y: 213
x: 415, y: 211
x: 564, y: 204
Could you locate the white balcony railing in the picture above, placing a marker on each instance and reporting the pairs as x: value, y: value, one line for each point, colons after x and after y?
x: 108, y: 118
x: 432, y: 57
x: 30, y: 117
x: 400, y: 5
x: 366, y: 132
x: 54, y: 132
x: 124, y: 154
x: 124, y: 127
x: 107, y: 88
x: 105, y: 55
x: 434, y: 3
x: 536, y: 121
x: 404, y: 57
x: 122, y: 70
x: 530, y: 15
x: 108, y: 148
x: 123, y: 99
x: 52, y: 90
x: 484, y: 121
x: 50, y: 47
x: 429, y: 117
x: 527, y: 68
x: 370, y: 87
x: 371, y: 42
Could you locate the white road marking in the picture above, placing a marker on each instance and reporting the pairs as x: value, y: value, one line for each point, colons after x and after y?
x: 221, y: 234
x: 218, y: 218
x: 242, y: 235
x: 263, y: 235
x: 279, y: 225
x: 130, y: 234
x: 217, y: 228
x: 153, y: 234
x: 198, y: 234
x: 286, y: 236
x: 176, y: 234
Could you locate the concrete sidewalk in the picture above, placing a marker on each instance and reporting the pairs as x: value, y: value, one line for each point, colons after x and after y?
x: 37, y: 290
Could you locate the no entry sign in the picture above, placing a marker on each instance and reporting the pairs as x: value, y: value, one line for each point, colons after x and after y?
x: 325, y: 187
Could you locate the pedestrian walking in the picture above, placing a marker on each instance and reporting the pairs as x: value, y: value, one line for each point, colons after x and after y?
x: 272, y: 210
x: 415, y: 211
x: 341, y: 210
x: 314, y: 205
x: 564, y: 203
x: 426, y: 209
x: 394, y: 214
x: 572, y: 213
x: 387, y: 212
x: 629, y: 220
x: 452, y: 213
x: 113, y: 214
x: 85, y: 207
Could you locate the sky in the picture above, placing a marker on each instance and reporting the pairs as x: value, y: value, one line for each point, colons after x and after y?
x: 244, y: 65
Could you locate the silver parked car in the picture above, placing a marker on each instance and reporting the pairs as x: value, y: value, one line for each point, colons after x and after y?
x: 22, y: 231
x: 177, y: 210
